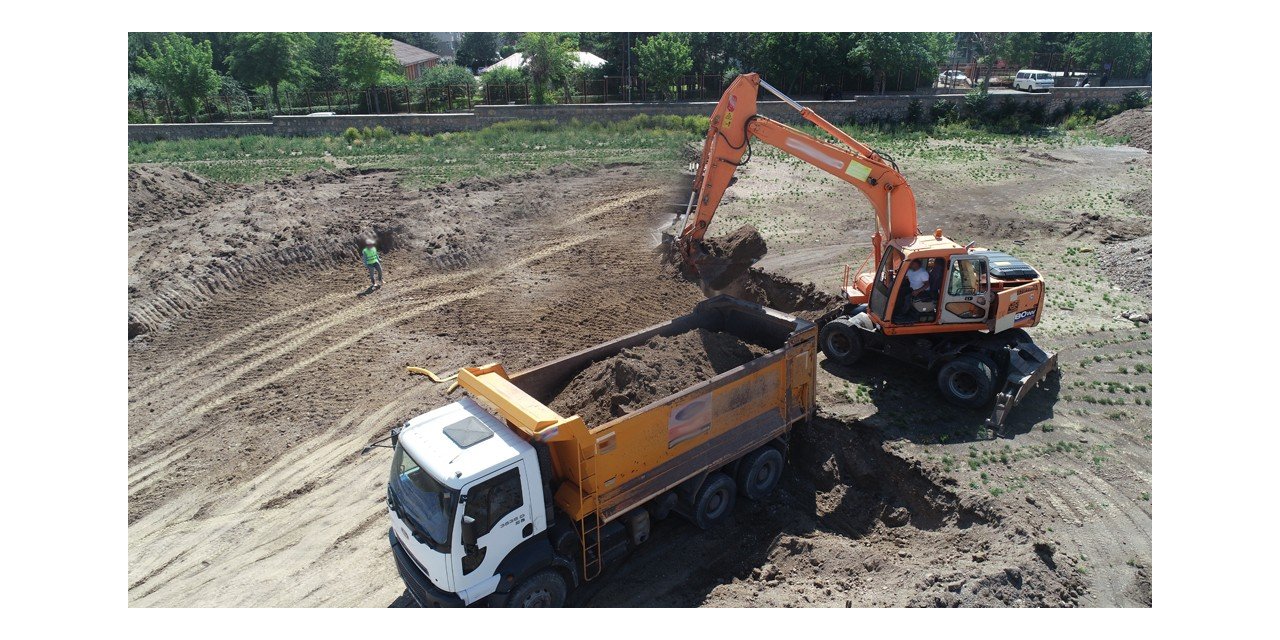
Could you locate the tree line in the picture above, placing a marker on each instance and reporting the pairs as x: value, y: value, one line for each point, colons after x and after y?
x: 189, y: 68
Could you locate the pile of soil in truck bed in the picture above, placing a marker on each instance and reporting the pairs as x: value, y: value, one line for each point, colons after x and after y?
x: 618, y: 385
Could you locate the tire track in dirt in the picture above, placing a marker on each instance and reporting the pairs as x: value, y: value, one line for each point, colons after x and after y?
x: 174, y: 545
x: 350, y: 311
x: 194, y: 406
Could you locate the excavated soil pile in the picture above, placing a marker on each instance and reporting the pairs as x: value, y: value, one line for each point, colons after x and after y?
x: 728, y: 257
x: 802, y: 300
x: 1134, y: 124
x: 1128, y: 264
x: 635, y: 377
x: 158, y: 194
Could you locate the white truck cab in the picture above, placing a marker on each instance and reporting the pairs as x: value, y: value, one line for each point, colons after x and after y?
x: 465, y: 491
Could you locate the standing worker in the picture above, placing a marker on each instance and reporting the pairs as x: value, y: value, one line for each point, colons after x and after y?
x: 371, y: 261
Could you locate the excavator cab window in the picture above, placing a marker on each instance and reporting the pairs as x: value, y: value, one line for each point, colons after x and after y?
x: 890, y: 269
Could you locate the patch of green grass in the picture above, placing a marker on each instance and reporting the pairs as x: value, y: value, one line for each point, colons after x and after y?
x: 502, y: 149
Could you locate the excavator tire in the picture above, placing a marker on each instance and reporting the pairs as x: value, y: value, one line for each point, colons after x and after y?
x: 545, y: 589
x: 968, y: 381
x: 840, y: 341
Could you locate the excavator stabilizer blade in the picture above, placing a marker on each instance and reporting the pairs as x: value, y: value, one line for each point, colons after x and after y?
x: 1029, y: 365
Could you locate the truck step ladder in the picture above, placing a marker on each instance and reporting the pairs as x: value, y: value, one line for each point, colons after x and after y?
x: 590, y: 526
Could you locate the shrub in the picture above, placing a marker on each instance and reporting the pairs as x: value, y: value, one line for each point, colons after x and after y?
x: 448, y: 75
x: 976, y: 104
x: 1035, y: 112
x: 942, y: 111
x: 381, y: 133
x: 1065, y: 111
x: 503, y: 75
x: 1135, y: 100
x: 351, y: 134
x: 915, y: 111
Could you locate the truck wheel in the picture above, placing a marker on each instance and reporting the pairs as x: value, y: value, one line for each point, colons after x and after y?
x: 546, y: 589
x: 759, y: 472
x: 840, y: 341
x: 714, y: 502
x: 967, y: 381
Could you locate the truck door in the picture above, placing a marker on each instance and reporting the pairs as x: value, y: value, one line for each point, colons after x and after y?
x: 494, y: 519
x: 965, y: 295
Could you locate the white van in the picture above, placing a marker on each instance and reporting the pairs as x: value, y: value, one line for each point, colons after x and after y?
x: 1033, y: 80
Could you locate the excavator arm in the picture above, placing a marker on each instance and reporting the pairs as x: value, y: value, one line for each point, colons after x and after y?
x: 735, y: 122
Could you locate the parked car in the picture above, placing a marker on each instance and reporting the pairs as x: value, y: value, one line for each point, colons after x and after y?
x: 1033, y: 80
x: 953, y: 79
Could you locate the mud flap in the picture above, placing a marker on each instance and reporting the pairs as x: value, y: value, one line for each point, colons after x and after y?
x: 1029, y: 365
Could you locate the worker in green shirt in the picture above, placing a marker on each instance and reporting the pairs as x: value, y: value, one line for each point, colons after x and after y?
x: 370, y: 254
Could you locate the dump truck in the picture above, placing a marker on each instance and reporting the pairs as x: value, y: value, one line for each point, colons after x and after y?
x: 497, y: 499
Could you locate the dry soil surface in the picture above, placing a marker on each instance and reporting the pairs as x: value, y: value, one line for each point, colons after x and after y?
x: 256, y: 375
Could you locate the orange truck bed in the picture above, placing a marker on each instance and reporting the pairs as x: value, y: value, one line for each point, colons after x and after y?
x: 609, y: 469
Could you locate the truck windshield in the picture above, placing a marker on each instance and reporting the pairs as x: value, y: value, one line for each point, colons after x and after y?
x: 426, y: 505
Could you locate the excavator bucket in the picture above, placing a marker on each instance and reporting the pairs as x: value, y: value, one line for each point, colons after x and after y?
x: 1029, y: 365
x: 720, y: 261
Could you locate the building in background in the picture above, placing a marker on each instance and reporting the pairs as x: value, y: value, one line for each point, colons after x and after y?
x: 516, y: 61
x: 412, y: 59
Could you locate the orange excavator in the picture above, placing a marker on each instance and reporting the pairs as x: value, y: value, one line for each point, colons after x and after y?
x: 957, y: 310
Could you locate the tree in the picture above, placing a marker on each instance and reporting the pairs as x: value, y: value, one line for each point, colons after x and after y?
x: 1017, y: 48
x: 362, y: 57
x: 271, y: 58
x: 549, y: 58
x: 883, y: 53
x: 323, y: 57
x: 1126, y: 52
x: 183, y: 69
x: 661, y: 60
x: 478, y: 49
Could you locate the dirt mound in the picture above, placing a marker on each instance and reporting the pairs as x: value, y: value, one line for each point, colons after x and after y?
x: 728, y: 257
x: 191, y: 238
x: 1128, y: 264
x: 157, y: 194
x: 1140, y: 201
x: 635, y: 377
x: 1134, y: 124
x: 802, y: 300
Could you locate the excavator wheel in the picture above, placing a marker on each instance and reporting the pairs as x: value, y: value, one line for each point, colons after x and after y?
x: 968, y: 381
x: 840, y: 341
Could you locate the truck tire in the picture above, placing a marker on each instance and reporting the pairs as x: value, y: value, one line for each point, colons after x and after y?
x: 544, y: 589
x: 840, y: 341
x: 714, y: 501
x: 968, y: 381
x: 759, y: 472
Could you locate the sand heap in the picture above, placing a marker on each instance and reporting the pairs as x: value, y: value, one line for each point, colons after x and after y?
x: 658, y: 368
x: 1134, y: 124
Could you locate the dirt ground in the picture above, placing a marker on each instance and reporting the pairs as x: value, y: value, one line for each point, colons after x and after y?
x: 257, y: 373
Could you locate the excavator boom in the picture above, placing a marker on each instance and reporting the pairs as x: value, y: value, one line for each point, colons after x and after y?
x: 736, y: 121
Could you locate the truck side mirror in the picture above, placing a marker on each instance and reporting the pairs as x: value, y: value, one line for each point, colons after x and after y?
x: 468, y: 530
